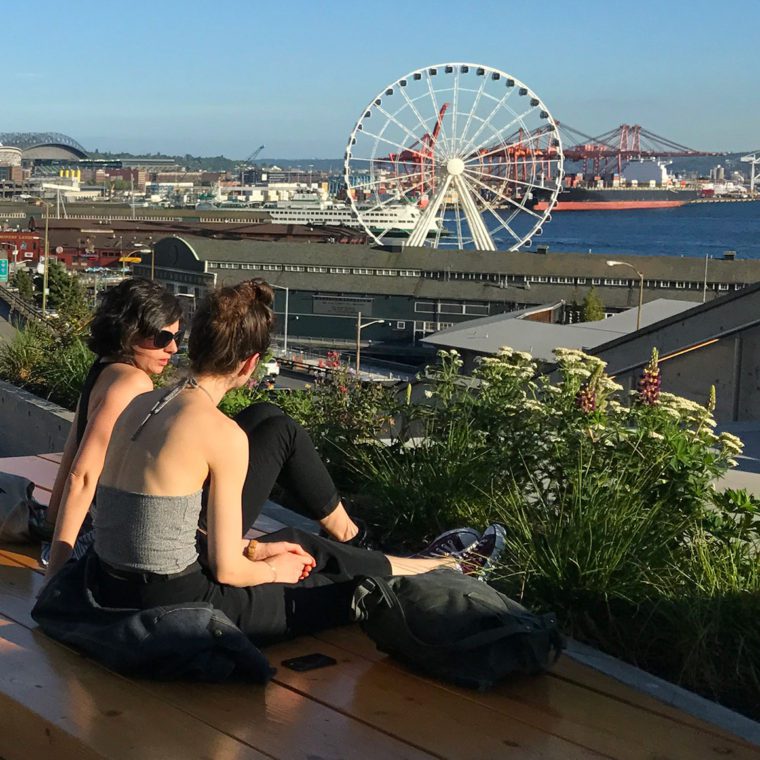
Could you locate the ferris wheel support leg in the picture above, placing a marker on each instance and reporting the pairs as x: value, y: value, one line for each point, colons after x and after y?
x: 427, y: 219
x: 478, y: 229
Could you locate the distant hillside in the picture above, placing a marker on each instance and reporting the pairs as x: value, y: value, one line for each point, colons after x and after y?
x: 697, y: 166
x: 222, y: 163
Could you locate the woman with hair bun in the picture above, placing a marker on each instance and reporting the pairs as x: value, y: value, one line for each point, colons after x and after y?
x: 134, y: 333
x: 162, y: 450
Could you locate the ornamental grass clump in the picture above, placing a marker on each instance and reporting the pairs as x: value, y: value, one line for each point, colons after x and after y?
x: 49, y: 363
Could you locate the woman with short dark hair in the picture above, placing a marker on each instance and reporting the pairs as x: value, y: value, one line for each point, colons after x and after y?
x: 134, y: 333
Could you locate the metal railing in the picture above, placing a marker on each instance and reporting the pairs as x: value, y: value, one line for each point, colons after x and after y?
x: 18, y: 305
x: 316, y: 363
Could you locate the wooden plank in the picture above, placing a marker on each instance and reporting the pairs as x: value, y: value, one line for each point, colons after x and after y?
x: 611, y: 725
x: 21, y: 554
x: 48, y: 687
x: 18, y: 590
x: 276, y: 720
x: 53, y: 457
x: 415, y: 710
x: 41, y: 472
x: 285, y: 723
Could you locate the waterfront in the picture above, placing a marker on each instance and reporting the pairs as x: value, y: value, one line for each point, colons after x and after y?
x: 697, y: 229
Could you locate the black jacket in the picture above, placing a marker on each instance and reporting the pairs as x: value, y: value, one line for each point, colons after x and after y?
x: 190, y: 641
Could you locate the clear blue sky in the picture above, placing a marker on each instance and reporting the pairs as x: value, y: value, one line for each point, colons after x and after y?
x: 209, y: 78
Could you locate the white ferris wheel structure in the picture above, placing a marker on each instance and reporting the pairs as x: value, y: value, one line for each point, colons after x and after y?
x: 456, y: 155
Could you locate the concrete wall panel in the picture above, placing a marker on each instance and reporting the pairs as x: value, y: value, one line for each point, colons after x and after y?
x: 30, y: 425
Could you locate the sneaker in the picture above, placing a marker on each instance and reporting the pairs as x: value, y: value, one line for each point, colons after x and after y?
x: 451, y: 542
x: 480, y: 559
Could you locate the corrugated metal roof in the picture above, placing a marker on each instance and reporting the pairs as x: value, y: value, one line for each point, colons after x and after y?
x: 488, y: 335
x: 428, y: 259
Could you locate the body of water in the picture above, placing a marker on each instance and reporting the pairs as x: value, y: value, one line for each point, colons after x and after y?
x: 697, y: 229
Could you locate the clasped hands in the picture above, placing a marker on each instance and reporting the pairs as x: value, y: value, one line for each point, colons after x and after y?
x: 290, y: 562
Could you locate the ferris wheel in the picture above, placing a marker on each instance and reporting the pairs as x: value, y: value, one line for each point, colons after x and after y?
x: 455, y: 155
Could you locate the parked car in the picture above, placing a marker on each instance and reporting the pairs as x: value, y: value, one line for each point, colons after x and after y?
x: 271, y: 368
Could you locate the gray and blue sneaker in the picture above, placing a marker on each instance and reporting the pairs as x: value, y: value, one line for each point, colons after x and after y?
x: 479, y: 559
x: 451, y: 542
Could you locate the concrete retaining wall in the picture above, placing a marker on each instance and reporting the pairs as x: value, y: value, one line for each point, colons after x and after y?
x: 30, y: 425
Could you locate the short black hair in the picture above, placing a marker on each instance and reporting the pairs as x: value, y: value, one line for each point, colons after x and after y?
x: 136, y: 308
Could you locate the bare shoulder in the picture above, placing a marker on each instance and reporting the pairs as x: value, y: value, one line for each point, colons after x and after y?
x: 224, y: 435
x: 125, y: 376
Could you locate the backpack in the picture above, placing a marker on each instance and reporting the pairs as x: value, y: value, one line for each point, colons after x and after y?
x: 20, y: 513
x: 455, y: 627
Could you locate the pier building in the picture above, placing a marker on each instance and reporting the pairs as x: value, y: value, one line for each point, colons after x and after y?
x: 420, y: 291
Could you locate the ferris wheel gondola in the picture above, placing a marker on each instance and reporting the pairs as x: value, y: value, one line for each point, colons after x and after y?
x: 454, y: 155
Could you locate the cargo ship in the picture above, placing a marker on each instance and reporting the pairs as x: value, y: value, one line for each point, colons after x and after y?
x: 620, y: 198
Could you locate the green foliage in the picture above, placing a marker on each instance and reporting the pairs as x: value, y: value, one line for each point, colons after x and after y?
x: 47, y: 363
x: 592, y: 308
x: 235, y: 401
x: 343, y: 417
x: 67, y: 295
x: 23, y: 281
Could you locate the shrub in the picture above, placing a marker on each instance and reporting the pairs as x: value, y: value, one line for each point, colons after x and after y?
x: 609, y: 504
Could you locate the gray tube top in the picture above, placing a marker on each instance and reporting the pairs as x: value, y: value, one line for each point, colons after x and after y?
x: 141, y: 532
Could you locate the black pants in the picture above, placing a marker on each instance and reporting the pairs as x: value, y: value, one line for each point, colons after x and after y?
x: 280, y: 451
x: 271, y: 611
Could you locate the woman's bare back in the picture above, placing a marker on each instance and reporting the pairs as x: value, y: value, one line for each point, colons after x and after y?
x: 170, y: 454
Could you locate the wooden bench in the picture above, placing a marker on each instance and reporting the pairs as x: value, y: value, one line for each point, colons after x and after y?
x: 56, y: 703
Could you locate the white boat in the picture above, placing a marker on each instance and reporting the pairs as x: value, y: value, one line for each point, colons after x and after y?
x: 311, y: 209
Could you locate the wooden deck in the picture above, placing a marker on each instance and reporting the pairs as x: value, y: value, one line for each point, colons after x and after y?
x: 54, y: 703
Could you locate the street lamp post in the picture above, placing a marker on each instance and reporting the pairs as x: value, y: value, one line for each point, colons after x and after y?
x: 287, y: 305
x: 359, y: 328
x: 641, y: 287
x: 44, y: 203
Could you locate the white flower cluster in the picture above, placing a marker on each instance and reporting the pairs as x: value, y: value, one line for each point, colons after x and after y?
x: 731, y: 443
x: 568, y: 357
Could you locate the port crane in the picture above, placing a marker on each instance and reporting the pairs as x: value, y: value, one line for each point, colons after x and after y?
x: 609, y: 152
x: 254, y: 155
x: 412, y: 160
x: 248, y: 161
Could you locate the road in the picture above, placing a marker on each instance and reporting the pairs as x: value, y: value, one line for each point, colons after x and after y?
x: 7, y: 330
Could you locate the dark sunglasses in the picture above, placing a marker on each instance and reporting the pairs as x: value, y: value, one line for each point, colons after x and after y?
x: 163, y: 338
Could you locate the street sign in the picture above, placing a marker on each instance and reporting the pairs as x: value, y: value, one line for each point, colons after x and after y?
x: 3, y: 270
x: 130, y: 259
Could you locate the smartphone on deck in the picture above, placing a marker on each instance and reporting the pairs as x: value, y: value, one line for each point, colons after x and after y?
x: 309, y: 662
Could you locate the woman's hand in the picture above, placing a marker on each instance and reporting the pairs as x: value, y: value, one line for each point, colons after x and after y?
x: 265, y: 550
x: 290, y: 567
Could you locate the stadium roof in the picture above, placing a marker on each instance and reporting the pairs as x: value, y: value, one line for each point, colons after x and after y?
x: 29, y: 140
